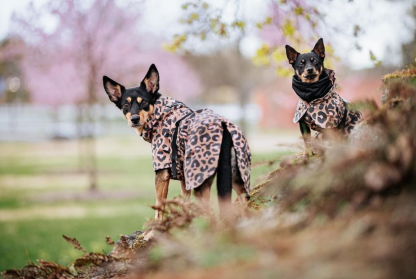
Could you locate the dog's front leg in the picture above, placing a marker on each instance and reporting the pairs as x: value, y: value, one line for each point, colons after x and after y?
x: 306, y: 135
x: 162, y: 185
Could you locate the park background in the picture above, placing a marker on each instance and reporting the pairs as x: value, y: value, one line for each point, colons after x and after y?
x: 69, y: 165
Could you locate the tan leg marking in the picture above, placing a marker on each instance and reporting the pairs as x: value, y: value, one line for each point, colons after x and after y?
x: 185, y: 193
x: 238, y: 185
x: 241, y: 192
x: 203, y: 192
x: 162, y: 184
x: 307, y: 142
x: 242, y: 197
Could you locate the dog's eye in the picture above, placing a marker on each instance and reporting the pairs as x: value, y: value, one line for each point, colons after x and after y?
x: 144, y: 104
x: 126, y: 108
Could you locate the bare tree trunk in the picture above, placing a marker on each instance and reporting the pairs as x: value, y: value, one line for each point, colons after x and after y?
x: 91, y: 141
x: 79, y: 123
x: 55, y: 123
x: 244, y: 96
x: 12, y: 116
x: 91, y: 100
x: 87, y: 162
x: 244, y: 87
x: 92, y: 158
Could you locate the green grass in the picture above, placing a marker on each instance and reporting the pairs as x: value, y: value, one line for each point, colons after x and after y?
x: 32, y: 225
x: 24, y: 241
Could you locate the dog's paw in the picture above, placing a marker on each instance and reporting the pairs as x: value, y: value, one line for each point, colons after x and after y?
x: 305, y: 155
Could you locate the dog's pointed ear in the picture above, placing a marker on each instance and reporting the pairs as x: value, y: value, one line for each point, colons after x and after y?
x: 114, y: 90
x: 151, y: 80
x: 291, y: 54
x: 319, y: 48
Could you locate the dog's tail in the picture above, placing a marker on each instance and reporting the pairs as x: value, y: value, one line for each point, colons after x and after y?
x: 224, y: 173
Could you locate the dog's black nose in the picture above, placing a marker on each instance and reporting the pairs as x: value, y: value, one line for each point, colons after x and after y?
x: 309, y: 70
x: 135, y: 119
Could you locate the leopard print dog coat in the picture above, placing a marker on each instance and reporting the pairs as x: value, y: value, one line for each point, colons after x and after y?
x: 328, y: 111
x: 198, y: 142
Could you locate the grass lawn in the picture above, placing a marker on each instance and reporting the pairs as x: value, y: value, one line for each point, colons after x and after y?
x: 44, y: 195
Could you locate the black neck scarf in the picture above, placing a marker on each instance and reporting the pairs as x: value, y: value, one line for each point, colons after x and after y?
x: 312, y: 91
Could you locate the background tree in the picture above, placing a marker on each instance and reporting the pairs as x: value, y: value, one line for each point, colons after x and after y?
x: 409, y: 49
x: 11, y: 90
x: 90, y: 39
x: 295, y: 22
x: 228, y: 68
x: 298, y: 23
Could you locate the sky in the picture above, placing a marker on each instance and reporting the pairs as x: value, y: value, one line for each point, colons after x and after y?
x: 384, y: 23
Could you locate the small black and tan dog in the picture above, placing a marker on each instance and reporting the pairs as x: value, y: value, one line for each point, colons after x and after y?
x: 320, y: 107
x: 187, y: 145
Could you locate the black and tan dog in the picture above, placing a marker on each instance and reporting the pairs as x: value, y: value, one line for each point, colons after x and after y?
x: 320, y: 107
x: 187, y: 145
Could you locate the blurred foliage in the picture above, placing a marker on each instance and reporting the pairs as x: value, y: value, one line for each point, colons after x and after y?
x: 276, y: 56
x: 9, y: 69
x: 409, y: 73
x: 374, y: 59
x: 409, y: 48
x: 292, y: 22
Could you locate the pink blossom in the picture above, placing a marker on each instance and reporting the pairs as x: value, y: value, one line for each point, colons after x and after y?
x: 89, y: 41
